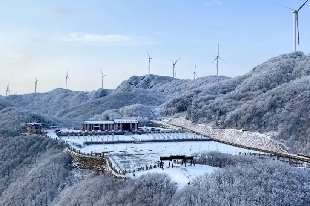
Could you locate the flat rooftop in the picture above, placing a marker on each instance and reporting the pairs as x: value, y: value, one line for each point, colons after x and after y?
x: 111, y: 122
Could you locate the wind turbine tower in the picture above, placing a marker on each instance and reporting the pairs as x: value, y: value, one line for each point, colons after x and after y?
x: 217, y: 60
x: 150, y: 58
x: 195, y: 72
x: 35, y: 85
x: 7, y: 92
x: 295, y: 23
x: 173, y: 67
x: 67, y: 78
x: 102, y: 76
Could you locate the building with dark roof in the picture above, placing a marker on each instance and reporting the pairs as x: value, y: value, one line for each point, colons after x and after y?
x: 116, y: 124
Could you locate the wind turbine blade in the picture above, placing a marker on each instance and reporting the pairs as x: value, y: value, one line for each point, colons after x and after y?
x: 171, y: 61
x: 101, y: 72
x: 177, y: 60
x: 214, y: 59
x: 148, y: 54
x: 223, y: 60
x: 287, y: 7
x: 302, y: 5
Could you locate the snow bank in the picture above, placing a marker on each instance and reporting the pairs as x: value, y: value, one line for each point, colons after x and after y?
x: 52, y: 134
x: 181, y: 176
x: 233, y: 136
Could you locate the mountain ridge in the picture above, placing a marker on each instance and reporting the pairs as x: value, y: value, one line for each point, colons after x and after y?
x: 265, y: 99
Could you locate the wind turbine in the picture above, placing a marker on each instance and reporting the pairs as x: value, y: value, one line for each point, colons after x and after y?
x: 150, y: 58
x: 195, y: 72
x: 35, y: 85
x: 7, y: 92
x: 102, y: 76
x: 67, y: 78
x: 174, y: 74
x: 217, y: 60
x: 295, y: 23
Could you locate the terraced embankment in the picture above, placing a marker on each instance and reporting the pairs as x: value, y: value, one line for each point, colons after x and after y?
x: 93, y: 162
x: 244, y: 139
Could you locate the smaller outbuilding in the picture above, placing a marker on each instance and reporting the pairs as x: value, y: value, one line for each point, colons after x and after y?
x: 34, y: 128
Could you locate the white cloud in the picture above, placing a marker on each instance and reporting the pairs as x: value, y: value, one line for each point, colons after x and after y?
x: 213, y: 2
x: 110, y: 39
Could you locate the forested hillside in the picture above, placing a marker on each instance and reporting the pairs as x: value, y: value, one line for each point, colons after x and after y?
x: 168, y: 86
x: 248, y: 181
x: 33, y: 170
x: 116, y: 100
x: 37, y: 171
x: 272, y: 98
x: 138, y: 97
x: 51, y: 102
x: 13, y: 118
x: 142, y: 97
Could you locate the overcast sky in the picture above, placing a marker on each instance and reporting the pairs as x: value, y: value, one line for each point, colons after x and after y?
x: 42, y: 39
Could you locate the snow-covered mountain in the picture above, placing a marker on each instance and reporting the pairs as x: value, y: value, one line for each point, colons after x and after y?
x: 58, y: 99
x: 137, y: 95
x: 116, y: 100
x: 166, y: 85
x: 12, y: 118
x: 272, y: 98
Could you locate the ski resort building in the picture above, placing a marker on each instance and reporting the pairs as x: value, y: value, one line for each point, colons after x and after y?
x: 34, y: 128
x: 117, y: 124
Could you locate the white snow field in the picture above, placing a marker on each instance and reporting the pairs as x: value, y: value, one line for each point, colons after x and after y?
x: 244, y: 138
x: 114, y: 138
x: 181, y: 175
x: 51, y: 133
x: 134, y: 155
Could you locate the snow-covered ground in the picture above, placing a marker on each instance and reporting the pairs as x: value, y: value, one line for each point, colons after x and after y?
x: 135, y: 137
x: 64, y: 130
x: 181, y: 175
x: 244, y: 138
x: 162, y: 148
x: 126, y: 156
x: 51, y: 133
x: 131, y: 156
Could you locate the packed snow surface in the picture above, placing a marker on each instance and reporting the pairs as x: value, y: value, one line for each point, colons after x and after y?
x: 135, y: 155
x: 244, y: 138
x: 180, y: 174
x: 114, y: 138
x: 129, y: 156
x: 52, y: 134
